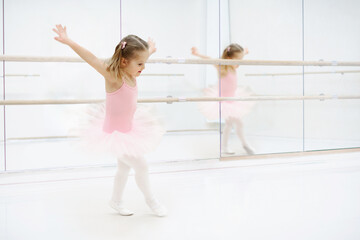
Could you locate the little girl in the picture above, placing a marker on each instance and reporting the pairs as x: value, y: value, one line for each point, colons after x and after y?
x: 231, y: 111
x: 119, y: 127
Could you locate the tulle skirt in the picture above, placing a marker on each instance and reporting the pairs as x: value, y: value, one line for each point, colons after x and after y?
x: 145, y: 135
x: 234, y: 109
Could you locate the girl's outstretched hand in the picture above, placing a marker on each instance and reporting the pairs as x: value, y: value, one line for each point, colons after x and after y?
x: 62, y: 35
x: 194, y: 51
x: 152, y: 47
x: 246, y: 51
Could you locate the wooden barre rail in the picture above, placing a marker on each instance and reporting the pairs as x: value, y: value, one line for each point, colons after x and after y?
x: 182, y: 74
x: 21, y: 75
x: 143, y: 75
x: 162, y: 75
x: 75, y: 136
x: 11, y: 58
x: 297, y: 73
x: 180, y: 99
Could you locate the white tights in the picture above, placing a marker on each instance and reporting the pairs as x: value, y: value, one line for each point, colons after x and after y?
x: 229, y: 123
x: 141, y: 169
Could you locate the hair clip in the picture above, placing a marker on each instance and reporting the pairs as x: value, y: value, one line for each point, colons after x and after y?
x: 123, y: 45
x: 228, y: 49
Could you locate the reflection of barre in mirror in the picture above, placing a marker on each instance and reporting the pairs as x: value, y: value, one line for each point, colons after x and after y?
x: 299, y: 73
x: 231, y: 111
x: 70, y: 136
x: 119, y: 128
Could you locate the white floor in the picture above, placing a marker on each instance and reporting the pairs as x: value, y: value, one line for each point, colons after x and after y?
x: 311, y: 197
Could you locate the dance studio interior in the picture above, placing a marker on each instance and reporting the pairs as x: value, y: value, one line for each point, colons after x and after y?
x: 279, y: 157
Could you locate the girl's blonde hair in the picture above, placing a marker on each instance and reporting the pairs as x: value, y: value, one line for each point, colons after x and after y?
x: 128, y: 48
x: 229, y: 53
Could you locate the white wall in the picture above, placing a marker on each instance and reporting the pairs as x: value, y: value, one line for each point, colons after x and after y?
x: 28, y: 31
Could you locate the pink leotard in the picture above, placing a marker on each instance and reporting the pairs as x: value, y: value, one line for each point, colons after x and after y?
x: 120, y: 109
x: 228, y: 84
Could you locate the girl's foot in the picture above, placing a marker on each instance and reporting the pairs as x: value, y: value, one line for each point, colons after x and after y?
x: 120, y: 209
x: 249, y: 150
x: 158, y: 209
x: 226, y: 150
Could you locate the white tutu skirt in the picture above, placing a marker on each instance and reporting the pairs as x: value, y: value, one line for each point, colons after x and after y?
x: 234, y: 109
x: 145, y: 135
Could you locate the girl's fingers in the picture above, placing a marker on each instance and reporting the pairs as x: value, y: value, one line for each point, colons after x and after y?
x: 55, y: 31
x: 59, y: 27
x: 151, y: 41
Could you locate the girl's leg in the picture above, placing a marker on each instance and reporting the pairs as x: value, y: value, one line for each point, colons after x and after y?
x: 120, y: 180
x: 141, y: 169
x: 226, y: 136
x: 240, y: 134
x: 142, y: 180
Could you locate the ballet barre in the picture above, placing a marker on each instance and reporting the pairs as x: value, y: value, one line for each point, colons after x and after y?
x: 298, y: 73
x: 21, y: 75
x: 170, y: 100
x: 162, y: 75
x: 76, y: 136
x: 182, y: 75
x: 142, y: 75
x: 13, y: 58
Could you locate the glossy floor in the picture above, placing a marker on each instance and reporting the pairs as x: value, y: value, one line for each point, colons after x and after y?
x: 309, y: 197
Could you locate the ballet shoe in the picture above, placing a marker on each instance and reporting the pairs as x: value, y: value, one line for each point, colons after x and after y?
x: 158, y: 209
x: 249, y: 150
x: 226, y: 150
x: 120, y: 209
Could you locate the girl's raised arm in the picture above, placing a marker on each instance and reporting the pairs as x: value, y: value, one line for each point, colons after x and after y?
x: 194, y: 51
x: 88, y: 57
x: 152, y: 47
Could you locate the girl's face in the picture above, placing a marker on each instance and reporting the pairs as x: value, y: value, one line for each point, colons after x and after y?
x: 135, y: 66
